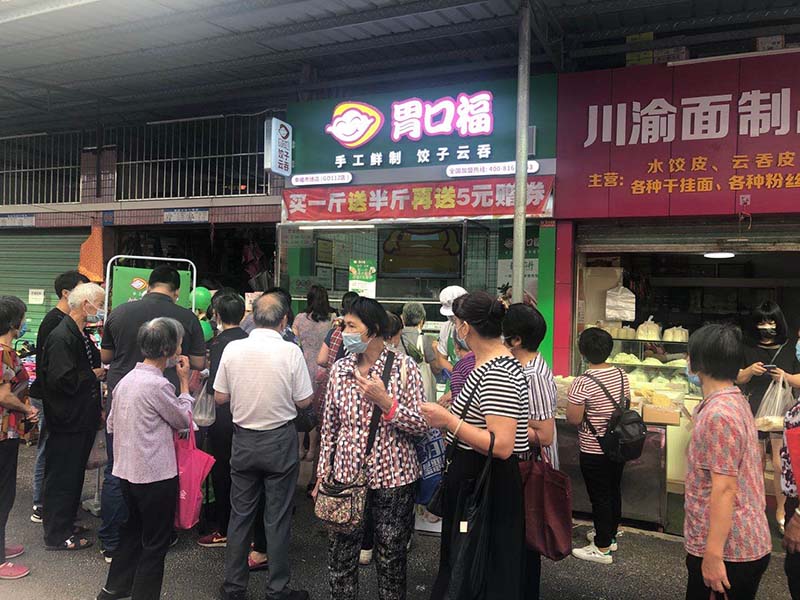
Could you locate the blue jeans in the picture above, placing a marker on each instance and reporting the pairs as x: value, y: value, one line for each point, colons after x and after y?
x: 38, y: 470
x: 114, y: 510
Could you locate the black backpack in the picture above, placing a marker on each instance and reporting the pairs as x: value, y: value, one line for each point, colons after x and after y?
x: 626, y: 433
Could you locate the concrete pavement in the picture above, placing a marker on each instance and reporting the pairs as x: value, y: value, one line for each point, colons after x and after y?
x: 647, y: 566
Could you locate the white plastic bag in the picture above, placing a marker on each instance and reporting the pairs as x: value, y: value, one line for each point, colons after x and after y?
x: 620, y: 304
x: 205, y: 409
x: 777, y: 401
x: 98, y: 457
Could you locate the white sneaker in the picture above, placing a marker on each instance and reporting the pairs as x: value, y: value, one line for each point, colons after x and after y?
x: 592, y: 554
x: 614, y: 547
x: 365, y: 557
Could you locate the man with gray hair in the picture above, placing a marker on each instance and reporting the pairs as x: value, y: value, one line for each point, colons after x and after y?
x: 265, y: 379
x: 72, y: 375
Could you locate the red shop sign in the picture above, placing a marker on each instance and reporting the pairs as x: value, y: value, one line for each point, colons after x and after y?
x: 697, y: 139
x: 469, y: 198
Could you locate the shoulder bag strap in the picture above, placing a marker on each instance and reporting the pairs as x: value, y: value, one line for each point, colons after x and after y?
x: 451, y: 449
x: 775, y: 356
x: 608, y: 395
x: 376, y: 412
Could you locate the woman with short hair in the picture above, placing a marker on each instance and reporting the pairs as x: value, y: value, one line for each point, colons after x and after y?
x: 355, y: 392
x: 143, y: 419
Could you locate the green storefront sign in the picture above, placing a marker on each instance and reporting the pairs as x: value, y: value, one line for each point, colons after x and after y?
x: 130, y: 283
x: 459, y: 124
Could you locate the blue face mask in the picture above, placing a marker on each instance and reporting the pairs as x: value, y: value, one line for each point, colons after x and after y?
x: 797, y: 351
x: 23, y: 329
x: 693, y: 378
x: 353, y: 343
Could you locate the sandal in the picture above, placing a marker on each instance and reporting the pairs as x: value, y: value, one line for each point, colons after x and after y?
x: 257, y: 566
x: 72, y: 544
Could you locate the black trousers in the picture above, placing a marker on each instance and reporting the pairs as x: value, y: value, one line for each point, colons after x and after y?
x: 9, y: 453
x: 220, y: 436
x: 66, y: 454
x: 744, y: 578
x: 603, y: 479
x: 791, y: 565
x: 138, y: 565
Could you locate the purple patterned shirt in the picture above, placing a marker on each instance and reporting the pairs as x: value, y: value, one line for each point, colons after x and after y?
x: 143, y: 417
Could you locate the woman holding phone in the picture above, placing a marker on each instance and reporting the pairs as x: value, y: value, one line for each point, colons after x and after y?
x: 767, y: 351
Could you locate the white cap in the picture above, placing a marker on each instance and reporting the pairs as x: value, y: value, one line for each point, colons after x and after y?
x: 447, y: 296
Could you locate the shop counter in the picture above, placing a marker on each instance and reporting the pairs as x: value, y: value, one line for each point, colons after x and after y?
x: 644, y: 481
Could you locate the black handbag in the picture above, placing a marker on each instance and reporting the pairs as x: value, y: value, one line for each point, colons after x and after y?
x: 470, y: 536
x: 341, y: 506
x: 436, y: 504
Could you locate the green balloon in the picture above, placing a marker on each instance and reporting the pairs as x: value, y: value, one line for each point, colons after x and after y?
x: 202, y: 298
x: 208, y: 333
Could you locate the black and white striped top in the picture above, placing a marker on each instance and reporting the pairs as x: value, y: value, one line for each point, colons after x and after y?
x: 500, y: 389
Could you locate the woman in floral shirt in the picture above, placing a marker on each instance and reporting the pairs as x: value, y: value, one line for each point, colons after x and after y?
x: 15, y: 411
x: 355, y: 390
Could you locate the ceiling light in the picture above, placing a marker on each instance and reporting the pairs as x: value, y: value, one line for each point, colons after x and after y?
x: 719, y: 255
x: 313, y: 227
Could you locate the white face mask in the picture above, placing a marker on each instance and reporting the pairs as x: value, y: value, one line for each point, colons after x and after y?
x: 172, y: 361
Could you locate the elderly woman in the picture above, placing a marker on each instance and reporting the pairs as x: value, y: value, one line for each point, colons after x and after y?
x: 355, y: 394
x: 143, y: 419
x: 72, y: 374
x: 493, y: 402
x: 419, y: 346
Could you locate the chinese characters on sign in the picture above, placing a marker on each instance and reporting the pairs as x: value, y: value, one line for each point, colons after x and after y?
x: 696, y: 174
x: 424, y: 156
x: 280, y: 147
x: 417, y: 200
x: 701, y: 118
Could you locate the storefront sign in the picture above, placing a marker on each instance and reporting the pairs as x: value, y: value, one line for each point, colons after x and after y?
x: 686, y: 140
x: 478, y: 197
x: 130, y: 283
x: 322, y: 178
x: 363, y: 277
x: 452, y: 125
x: 505, y: 252
x: 278, y: 138
x: 18, y: 220
x: 477, y: 169
x: 185, y: 215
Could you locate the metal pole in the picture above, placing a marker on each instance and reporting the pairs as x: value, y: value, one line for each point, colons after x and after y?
x: 521, y: 176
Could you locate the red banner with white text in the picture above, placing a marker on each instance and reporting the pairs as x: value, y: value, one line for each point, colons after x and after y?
x: 468, y: 198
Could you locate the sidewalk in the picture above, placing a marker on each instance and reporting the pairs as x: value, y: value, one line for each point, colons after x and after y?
x: 648, y: 566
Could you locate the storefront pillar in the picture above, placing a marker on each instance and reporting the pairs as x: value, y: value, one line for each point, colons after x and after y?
x: 545, y: 300
x: 563, y: 296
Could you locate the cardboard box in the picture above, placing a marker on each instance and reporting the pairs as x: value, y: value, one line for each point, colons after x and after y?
x: 659, y: 415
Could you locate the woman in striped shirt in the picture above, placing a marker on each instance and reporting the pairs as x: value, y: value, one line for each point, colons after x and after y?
x: 496, y: 398
x: 588, y: 401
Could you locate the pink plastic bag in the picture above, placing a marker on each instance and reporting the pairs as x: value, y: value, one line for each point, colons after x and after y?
x: 193, y: 467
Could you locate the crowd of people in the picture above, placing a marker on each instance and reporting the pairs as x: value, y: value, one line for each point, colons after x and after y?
x: 363, y: 383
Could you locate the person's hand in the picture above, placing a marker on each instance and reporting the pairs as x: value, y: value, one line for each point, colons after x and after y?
x: 757, y: 369
x: 777, y: 373
x: 182, y: 367
x: 315, y: 491
x: 100, y: 374
x: 715, y: 575
x: 372, y: 389
x: 32, y: 414
x: 445, y: 400
x: 791, y: 537
x: 436, y: 416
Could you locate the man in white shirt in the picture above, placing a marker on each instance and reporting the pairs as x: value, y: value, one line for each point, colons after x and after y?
x: 265, y: 379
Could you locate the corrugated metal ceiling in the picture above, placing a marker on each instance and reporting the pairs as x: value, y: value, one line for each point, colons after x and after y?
x: 70, y: 63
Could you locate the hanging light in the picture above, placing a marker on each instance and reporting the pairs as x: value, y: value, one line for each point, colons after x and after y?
x: 719, y: 255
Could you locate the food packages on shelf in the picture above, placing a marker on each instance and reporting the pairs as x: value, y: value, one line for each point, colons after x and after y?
x: 660, y: 381
x: 679, y: 381
x: 626, y: 333
x: 678, y: 362
x: 620, y: 304
x: 649, y: 331
x: 676, y: 334
x: 623, y: 358
x: 562, y: 389
x: 638, y: 376
x: 652, y: 361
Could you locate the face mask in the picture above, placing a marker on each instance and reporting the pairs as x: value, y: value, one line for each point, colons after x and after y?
x: 768, y: 332
x: 23, y: 329
x: 98, y: 317
x: 220, y: 328
x: 393, y: 348
x: 797, y: 351
x: 693, y: 378
x: 462, y: 341
x: 353, y: 343
x: 172, y: 361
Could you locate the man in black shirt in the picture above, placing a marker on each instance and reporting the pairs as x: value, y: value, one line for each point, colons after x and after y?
x: 71, y: 386
x: 120, y: 350
x: 229, y: 310
x: 64, y: 284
